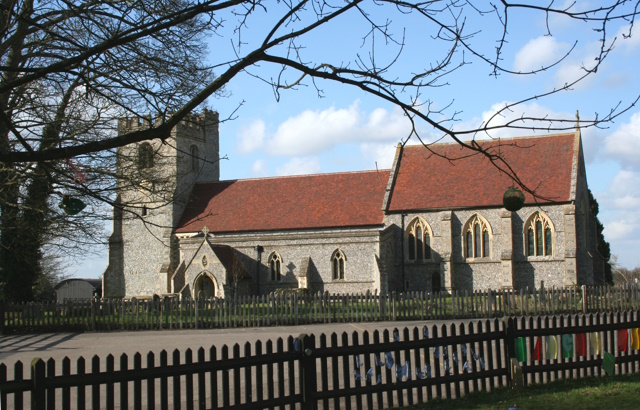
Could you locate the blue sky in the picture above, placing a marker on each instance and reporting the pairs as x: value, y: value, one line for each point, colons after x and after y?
x: 348, y: 130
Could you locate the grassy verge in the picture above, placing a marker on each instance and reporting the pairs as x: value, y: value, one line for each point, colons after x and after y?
x: 619, y: 392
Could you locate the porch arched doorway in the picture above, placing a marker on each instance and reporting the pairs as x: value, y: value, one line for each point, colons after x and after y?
x: 204, y: 287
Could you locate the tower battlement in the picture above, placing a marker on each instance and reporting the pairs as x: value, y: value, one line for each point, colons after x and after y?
x: 206, y: 120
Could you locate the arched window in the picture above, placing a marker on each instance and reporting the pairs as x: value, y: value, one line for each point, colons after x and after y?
x: 275, y: 267
x: 538, y: 232
x: 145, y: 156
x: 195, y: 158
x: 477, y: 238
x: 337, y: 265
x: 419, y: 240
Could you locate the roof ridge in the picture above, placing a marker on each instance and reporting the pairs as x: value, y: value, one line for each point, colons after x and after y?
x: 493, y: 140
x: 385, y: 170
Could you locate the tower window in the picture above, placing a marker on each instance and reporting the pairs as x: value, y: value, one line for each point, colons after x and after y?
x: 145, y: 156
x: 195, y: 158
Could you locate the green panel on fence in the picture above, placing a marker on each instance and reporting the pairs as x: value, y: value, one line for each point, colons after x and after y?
x: 567, y: 346
x: 520, y: 352
x: 552, y: 348
x: 609, y: 364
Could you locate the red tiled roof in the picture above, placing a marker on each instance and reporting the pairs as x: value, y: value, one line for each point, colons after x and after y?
x: 428, y: 181
x: 285, y: 203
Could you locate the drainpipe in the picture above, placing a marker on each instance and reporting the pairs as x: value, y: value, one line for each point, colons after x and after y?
x: 402, y: 251
x: 259, y: 249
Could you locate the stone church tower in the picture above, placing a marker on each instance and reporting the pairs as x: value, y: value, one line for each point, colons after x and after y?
x: 155, y: 179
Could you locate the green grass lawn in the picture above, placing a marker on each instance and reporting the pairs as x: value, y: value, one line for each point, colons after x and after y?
x: 619, y: 392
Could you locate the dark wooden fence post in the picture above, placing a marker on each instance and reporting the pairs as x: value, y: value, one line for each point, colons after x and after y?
x: 515, y: 376
x: 93, y: 314
x: 308, y: 371
x: 38, y: 390
x: 2, y: 317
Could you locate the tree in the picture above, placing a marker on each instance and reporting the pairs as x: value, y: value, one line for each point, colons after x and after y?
x: 71, y: 68
x: 602, y: 245
x: 622, y: 276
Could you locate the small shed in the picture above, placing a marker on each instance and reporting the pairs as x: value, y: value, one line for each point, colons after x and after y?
x: 76, y: 288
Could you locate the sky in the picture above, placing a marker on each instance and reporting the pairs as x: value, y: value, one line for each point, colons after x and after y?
x: 322, y: 127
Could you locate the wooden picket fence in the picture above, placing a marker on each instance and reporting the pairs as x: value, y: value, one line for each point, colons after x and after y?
x: 358, y: 370
x: 298, y: 309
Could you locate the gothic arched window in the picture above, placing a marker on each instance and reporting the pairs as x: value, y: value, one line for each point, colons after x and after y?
x: 145, y: 156
x: 418, y: 240
x: 275, y: 266
x: 195, y: 159
x: 538, y: 232
x: 337, y: 265
x: 477, y: 238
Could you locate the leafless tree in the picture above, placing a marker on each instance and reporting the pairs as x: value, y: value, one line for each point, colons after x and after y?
x: 70, y: 68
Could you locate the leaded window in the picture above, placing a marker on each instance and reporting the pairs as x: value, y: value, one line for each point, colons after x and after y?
x: 539, y: 235
x: 477, y: 238
x: 275, y: 267
x: 338, y: 265
x: 419, y: 240
x: 145, y: 156
x: 195, y: 159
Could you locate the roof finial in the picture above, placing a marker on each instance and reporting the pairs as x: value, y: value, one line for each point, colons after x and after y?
x: 205, y: 231
x: 577, y: 120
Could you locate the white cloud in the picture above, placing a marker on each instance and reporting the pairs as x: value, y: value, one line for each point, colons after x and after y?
x: 251, y: 137
x: 384, y: 125
x: 629, y: 42
x: 577, y: 64
x: 259, y: 168
x: 624, y: 144
x: 519, y: 116
x: 619, y: 213
x: 618, y: 230
x: 315, y: 131
x: 539, y: 52
x: 379, y: 154
x: 300, y: 166
x: 624, y: 190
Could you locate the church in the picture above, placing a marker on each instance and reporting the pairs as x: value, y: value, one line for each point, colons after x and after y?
x: 433, y: 222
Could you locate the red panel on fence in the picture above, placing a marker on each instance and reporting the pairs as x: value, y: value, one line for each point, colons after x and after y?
x: 623, y: 340
x: 581, y: 344
x: 537, y: 351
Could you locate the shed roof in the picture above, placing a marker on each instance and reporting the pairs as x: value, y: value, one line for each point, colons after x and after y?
x: 95, y: 283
